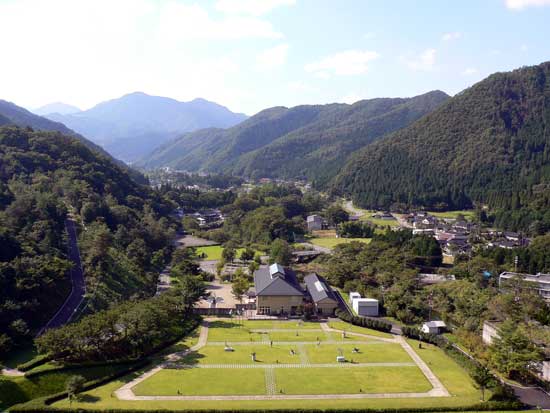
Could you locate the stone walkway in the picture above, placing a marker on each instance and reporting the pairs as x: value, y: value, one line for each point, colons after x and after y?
x: 12, y: 372
x: 438, y: 390
x: 293, y: 343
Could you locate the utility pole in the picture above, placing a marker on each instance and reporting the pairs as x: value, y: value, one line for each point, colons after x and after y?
x: 516, y: 260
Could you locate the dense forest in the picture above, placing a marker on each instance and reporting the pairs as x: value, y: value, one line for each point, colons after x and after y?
x: 310, y: 142
x: 124, y: 237
x: 489, y: 144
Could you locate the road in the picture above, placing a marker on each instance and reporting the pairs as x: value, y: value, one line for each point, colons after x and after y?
x: 348, y: 205
x: 78, y: 285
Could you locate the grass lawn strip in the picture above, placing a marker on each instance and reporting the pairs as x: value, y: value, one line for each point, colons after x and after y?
x: 343, y: 326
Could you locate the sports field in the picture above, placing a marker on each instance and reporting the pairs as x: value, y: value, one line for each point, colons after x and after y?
x: 288, y: 364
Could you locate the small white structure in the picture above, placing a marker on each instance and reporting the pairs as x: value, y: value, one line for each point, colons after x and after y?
x: 490, y: 332
x: 314, y: 223
x: 365, y: 307
x: 434, y: 327
x: 353, y: 295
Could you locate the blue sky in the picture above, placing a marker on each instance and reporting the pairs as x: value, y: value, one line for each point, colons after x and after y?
x: 253, y: 54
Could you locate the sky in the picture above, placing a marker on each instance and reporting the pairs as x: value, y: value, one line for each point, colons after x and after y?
x: 252, y: 54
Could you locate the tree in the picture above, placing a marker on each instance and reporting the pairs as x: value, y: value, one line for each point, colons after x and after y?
x: 253, y: 267
x: 228, y: 254
x: 280, y: 252
x: 247, y: 254
x: 239, y: 287
x: 335, y: 214
x: 512, y: 352
x: 191, y: 289
x: 483, y: 379
x: 74, y: 385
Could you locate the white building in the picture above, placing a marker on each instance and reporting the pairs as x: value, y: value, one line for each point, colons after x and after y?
x: 539, y: 282
x: 365, y: 307
x: 434, y: 327
x: 353, y: 295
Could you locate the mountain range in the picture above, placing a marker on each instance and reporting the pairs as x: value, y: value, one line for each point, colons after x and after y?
x: 135, y: 124
x: 489, y: 144
x: 310, y: 141
x: 57, y: 107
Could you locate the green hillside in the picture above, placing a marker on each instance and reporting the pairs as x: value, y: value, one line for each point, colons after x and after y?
x: 124, y: 238
x: 489, y: 144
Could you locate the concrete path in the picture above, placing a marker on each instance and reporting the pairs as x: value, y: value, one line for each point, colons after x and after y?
x: 432, y: 378
x: 126, y: 392
x: 292, y: 343
x: 304, y: 364
x: 12, y: 372
x: 326, y: 328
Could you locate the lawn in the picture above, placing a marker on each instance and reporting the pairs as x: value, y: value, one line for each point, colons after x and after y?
x: 191, y: 382
x: 352, y: 380
x: 469, y: 214
x: 377, y: 221
x: 214, y: 252
x: 265, y: 354
x: 333, y: 242
x: 275, y: 324
x: 374, y: 352
x: 342, y: 325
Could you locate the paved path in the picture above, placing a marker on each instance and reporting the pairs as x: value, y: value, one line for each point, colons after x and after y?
x: 326, y: 328
x: 304, y: 364
x: 78, y: 285
x: 12, y: 372
x: 292, y: 343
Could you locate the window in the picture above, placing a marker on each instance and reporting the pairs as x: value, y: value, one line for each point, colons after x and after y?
x: 264, y: 310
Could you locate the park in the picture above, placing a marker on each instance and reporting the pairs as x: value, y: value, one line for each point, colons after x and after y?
x: 289, y: 364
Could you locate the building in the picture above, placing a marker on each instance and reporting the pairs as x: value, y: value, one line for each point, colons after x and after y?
x: 490, y: 332
x: 323, y: 297
x: 353, y: 295
x: 365, y: 307
x: 434, y: 327
x: 539, y: 282
x: 314, y: 223
x: 277, y: 291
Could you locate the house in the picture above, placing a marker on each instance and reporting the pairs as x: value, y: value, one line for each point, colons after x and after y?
x: 365, y: 307
x: 277, y: 290
x: 383, y: 215
x: 314, y: 223
x: 433, y: 327
x: 353, y: 295
x: 539, y: 282
x: 512, y: 236
x: 322, y: 296
x: 490, y: 332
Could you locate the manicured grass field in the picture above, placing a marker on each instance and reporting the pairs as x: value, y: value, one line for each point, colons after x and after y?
x: 333, y: 242
x: 203, y: 382
x: 368, y: 353
x: 342, y: 325
x: 214, y: 252
x: 275, y: 324
x: 377, y: 221
x: 215, y: 354
x: 469, y: 214
x: 352, y: 380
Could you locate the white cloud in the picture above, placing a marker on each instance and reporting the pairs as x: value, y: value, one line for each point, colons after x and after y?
x: 251, y: 7
x: 272, y: 58
x: 424, y: 61
x: 349, y: 62
x: 469, y: 71
x: 524, y: 48
x: 179, y: 21
x: 369, y: 35
x: 451, y: 36
x: 523, y: 4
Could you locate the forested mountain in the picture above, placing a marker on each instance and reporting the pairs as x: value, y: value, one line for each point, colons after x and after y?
x: 133, y: 125
x: 57, y: 107
x: 12, y: 114
x: 124, y: 238
x: 489, y: 144
x: 304, y: 141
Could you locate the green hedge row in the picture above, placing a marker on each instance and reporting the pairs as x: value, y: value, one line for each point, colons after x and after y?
x: 364, y: 322
x: 487, y: 406
x: 35, y: 362
x: 66, y: 367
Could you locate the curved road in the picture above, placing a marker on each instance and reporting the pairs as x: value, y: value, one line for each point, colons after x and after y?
x: 78, y: 285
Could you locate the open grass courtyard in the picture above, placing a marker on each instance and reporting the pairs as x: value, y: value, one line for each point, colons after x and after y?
x: 286, y: 369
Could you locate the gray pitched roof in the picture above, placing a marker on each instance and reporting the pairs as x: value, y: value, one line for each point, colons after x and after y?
x: 318, y: 288
x: 265, y: 284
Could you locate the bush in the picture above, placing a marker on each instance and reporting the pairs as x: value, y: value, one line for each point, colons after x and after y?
x: 364, y: 322
x: 35, y: 362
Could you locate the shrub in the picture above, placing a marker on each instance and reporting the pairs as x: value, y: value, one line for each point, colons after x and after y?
x: 371, y: 323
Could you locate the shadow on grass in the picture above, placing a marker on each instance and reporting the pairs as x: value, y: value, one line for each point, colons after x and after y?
x: 225, y: 324
x: 88, y: 398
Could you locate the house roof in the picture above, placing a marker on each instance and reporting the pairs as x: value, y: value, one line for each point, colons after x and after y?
x: 268, y: 283
x: 318, y: 288
x: 438, y: 324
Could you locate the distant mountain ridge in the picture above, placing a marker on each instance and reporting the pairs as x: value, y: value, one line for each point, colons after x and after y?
x: 57, y: 107
x: 310, y: 141
x: 133, y: 125
x: 489, y: 144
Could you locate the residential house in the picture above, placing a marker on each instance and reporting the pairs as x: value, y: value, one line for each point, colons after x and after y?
x: 314, y: 223
x: 277, y: 291
x: 323, y: 297
x: 539, y: 282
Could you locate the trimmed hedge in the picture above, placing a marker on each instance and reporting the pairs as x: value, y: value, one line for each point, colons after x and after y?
x: 364, y: 322
x: 35, y: 362
x: 487, y: 406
